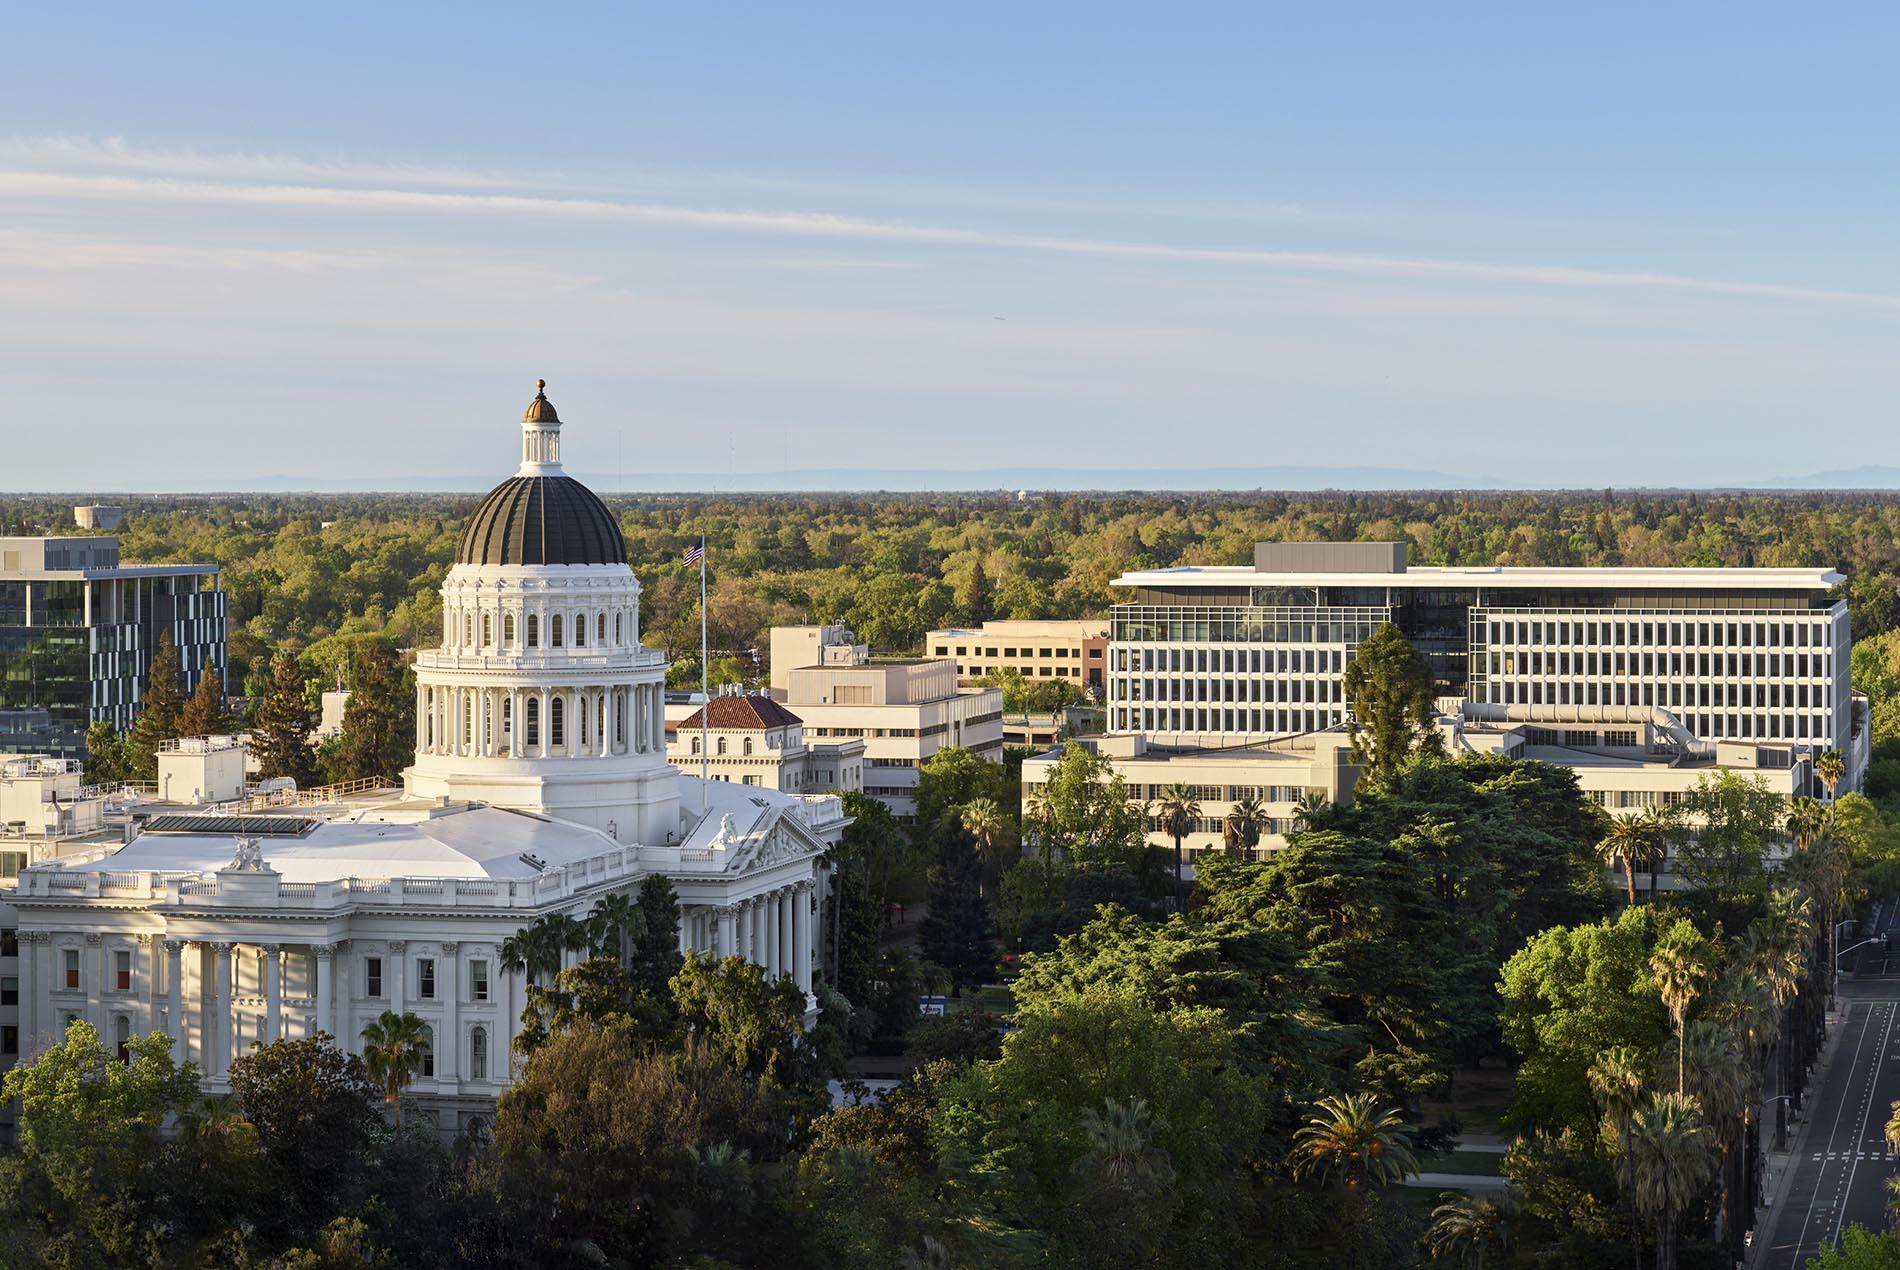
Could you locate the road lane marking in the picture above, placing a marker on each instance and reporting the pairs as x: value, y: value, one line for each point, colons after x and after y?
x: 1866, y: 1016
x: 1873, y: 1079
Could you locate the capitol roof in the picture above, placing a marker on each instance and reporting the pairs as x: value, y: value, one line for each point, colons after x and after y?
x: 480, y: 842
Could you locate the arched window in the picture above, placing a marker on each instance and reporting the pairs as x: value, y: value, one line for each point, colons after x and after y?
x: 602, y: 631
x: 468, y: 629
x: 426, y: 1047
x: 554, y: 631
x: 722, y: 745
x: 478, y: 1054
x: 508, y: 629
x: 122, y: 1037
x: 620, y: 718
x: 468, y: 716
x: 507, y: 715
x: 618, y: 637
x: 748, y: 745
x: 534, y: 630
x: 695, y: 745
x: 580, y: 719
x: 533, y: 713
x: 557, y: 729
x: 580, y: 630
x: 488, y: 630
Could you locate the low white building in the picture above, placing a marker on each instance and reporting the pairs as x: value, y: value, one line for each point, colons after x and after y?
x: 202, y: 769
x: 753, y: 740
x: 540, y: 786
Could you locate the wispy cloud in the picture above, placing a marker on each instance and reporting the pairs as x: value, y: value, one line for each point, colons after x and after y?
x: 25, y: 184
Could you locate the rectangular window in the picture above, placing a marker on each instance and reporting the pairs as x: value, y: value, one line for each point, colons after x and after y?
x: 9, y: 943
x: 478, y: 981
x: 9, y: 1040
x: 425, y: 978
x: 122, y: 970
x: 9, y: 991
x: 71, y: 960
x: 372, y: 976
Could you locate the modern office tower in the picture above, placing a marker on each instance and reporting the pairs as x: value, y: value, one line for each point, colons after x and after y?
x: 1075, y: 651
x: 904, y: 709
x: 78, y: 629
x: 1230, y: 655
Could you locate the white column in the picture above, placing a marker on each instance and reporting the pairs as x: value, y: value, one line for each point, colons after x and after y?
x: 324, y: 955
x: 422, y: 699
x: 273, y: 993
x: 773, y: 966
x: 728, y: 918
x: 543, y: 745
x: 801, y: 936
x: 29, y: 991
x: 687, y: 918
x: 149, y: 946
x: 220, y: 1028
x: 785, y: 940
x: 175, y: 999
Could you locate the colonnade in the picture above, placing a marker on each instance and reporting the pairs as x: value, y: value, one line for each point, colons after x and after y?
x: 773, y: 929
x: 597, y: 721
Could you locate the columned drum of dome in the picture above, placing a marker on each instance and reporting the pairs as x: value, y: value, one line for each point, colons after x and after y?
x: 540, y: 696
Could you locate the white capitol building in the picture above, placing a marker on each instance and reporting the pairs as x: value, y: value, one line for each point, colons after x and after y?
x: 540, y: 784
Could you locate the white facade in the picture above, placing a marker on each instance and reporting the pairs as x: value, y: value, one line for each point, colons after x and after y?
x: 540, y: 785
x: 201, y: 769
x: 1229, y: 655
x: 904, y: 709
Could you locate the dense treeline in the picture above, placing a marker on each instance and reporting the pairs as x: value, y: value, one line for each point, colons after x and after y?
x: 300, y: 568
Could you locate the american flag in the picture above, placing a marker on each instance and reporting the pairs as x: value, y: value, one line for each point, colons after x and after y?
x: 696, y: 552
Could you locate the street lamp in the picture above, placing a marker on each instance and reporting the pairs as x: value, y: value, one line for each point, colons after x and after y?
x: 1850, y: 948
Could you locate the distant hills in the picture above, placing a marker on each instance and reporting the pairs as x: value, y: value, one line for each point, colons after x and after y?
x: 1007, y: 479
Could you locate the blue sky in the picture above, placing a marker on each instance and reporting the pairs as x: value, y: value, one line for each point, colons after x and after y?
x: 1622, y: 244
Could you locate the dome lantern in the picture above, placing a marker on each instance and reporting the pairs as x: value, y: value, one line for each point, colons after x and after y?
x: 540, y: 435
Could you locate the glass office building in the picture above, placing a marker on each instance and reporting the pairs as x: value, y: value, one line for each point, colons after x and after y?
x: 78, y: 629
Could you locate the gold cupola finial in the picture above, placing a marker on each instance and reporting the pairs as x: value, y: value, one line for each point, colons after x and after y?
x: 540, y: 410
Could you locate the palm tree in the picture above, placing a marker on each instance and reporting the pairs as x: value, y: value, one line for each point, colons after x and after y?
x: 1627, y: 842
x: 1245, y: 824
x: 1674, y: 1159
x: 1308, y: 808
x: 983, y: 820
x: 1179, y: 814
x: 562, y: 933
x: 1120, y: 1146
x: 1355, y: 1139
x: 1775, y: 948
x: 1893, y: 1128
x: 1464, y: 1228
x: 1679, y: 967
x: 1830, y: 769
x: 1805, y: 820
x: 1724, y: 1087
x: 614, y: 920
x: 1616, y: 1081
x: 393, y: 1046
x: 1663, y: 827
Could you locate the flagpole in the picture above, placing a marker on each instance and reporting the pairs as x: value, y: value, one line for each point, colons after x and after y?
x: 705, y: 691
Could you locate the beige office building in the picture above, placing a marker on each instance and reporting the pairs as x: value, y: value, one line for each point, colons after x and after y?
x: 1075, y: 651
x: 904, y: 709
x: 753, y: 740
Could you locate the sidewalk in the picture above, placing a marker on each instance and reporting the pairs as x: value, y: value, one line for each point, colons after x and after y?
x: 1778, y: 1166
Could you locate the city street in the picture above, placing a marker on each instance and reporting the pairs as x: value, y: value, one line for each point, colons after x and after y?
x: 1842, y: 1163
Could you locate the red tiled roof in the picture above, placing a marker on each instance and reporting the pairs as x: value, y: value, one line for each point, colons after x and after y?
x: 742, y: 714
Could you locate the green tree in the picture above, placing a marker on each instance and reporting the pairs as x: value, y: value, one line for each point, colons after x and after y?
x: 159, y: 708
x: 1616, y: 1081
x: 1245, y: 824
x: 379, y: 723
x: 91, y: 1128
x: 1356, y: 1141
x: 756, y: 1024
x: 1831, y: 769
x: 983, y: 819
x: 614, y: 924
x: 108, y: 760
x: 314, y: 1112
x: 1675, y: 1158
x: 1628, y: 843
x: 958, y: 931
x: 1467, y: 1228
x: 1390, y: 688
x: 204, y: 713
x: 1737, y: 819
x: 1679, y: 965
x: 657, y: 956
x: 393, y: 1046
x: 1180, y: 815
x: 950, y: 780
x: 284, y: 724
x: 1860, y: 1249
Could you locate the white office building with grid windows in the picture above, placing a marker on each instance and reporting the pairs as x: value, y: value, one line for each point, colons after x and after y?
x: 1616, y: 658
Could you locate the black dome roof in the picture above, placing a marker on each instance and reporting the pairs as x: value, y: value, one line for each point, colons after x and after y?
x: 541, y: 520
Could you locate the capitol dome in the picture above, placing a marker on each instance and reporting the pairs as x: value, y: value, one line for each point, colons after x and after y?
x: 541, y: 515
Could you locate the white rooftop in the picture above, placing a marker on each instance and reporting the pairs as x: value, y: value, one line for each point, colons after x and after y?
x: 482, y: 842
x: 1438, y: 576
